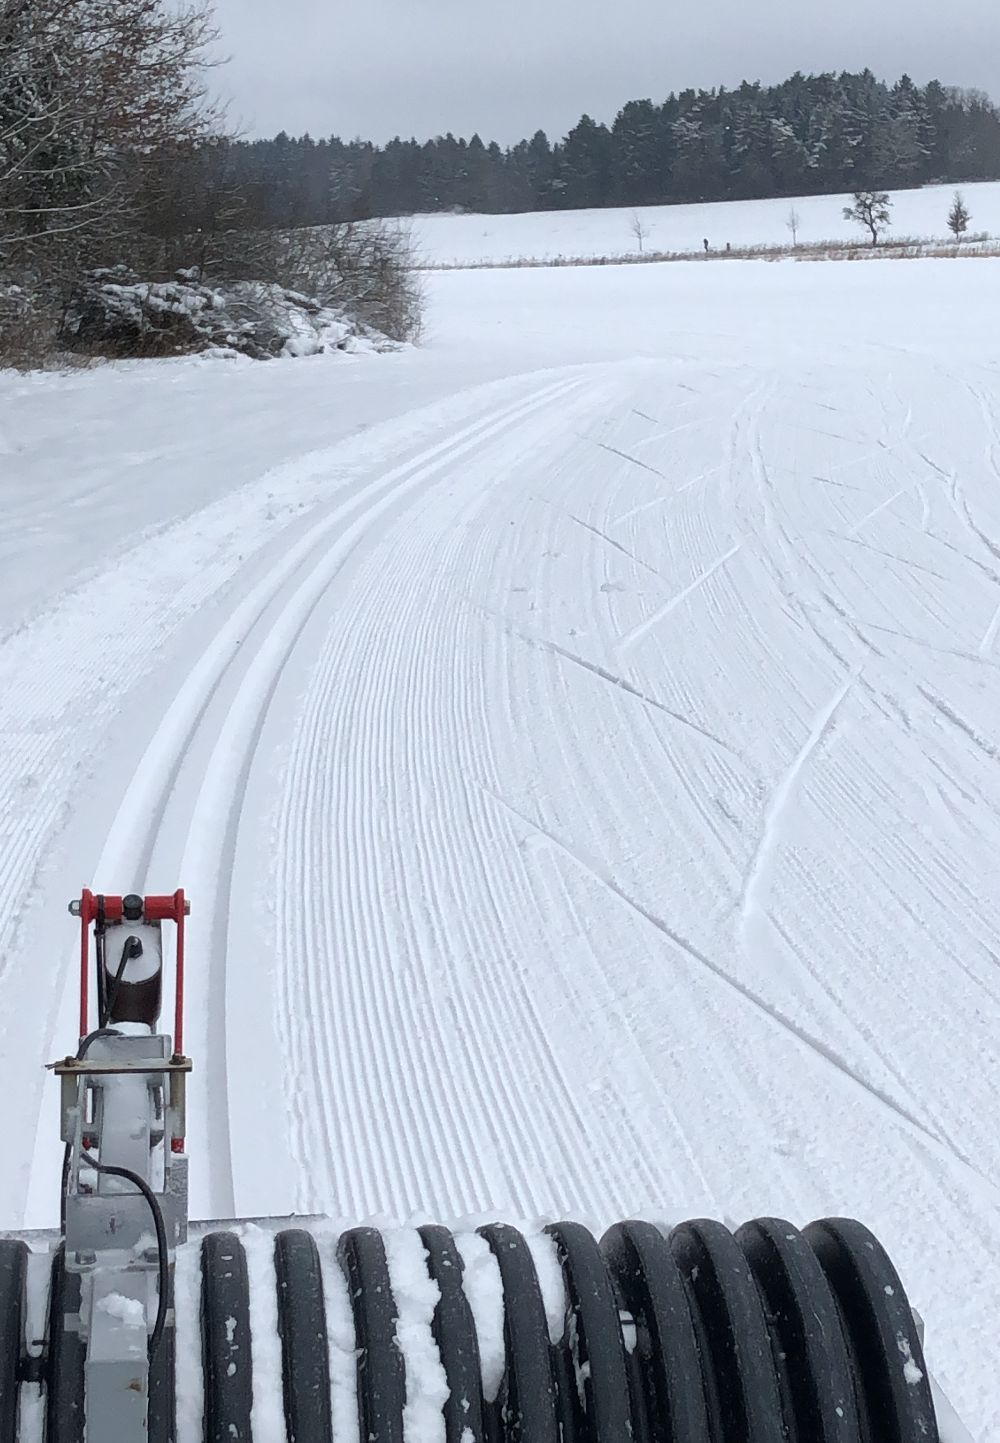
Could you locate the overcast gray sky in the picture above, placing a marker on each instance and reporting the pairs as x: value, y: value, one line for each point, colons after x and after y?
x: 378, y: 68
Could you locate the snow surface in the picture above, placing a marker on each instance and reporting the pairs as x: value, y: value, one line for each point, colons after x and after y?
x: 579, y: 740
x: 473, y: 239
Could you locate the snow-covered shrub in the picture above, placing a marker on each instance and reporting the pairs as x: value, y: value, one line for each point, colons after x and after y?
x: 367, y: 267
x: 115, y: 313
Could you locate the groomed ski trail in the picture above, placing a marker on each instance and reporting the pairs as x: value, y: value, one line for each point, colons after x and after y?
x: 586, y: 785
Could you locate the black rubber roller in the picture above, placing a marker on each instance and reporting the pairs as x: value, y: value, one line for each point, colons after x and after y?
x: 13, y: 1271
x: 668, y: 1394
x: 381, y: 1377
x: 305, y: 1354
x: 225, y: 1334
x: 592, y: 1346
x: 528, y: 1403
x: 694, y: 1335
x: 455, y: 1335
x: 64, y: 1416
x: 894, y: 1392
x: 741, y: 1383
x: 808, y: 1342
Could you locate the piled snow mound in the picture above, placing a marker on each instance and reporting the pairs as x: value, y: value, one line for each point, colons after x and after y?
x: 116, y: 313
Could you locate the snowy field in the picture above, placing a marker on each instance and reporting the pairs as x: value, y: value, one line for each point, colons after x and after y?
x: 546, y: 235
x: 578, y: 737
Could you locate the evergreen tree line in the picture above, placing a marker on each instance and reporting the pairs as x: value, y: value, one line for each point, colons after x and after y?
x: 810, y: 134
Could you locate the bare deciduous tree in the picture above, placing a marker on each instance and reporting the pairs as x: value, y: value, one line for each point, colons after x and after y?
x: 639, y: 229
x: 871, y: 209
x: 792, y: 222
x: 363, y: 265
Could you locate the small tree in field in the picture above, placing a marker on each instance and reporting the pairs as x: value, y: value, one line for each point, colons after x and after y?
x: 639, y: 229
x: 870, y: 208
x: 792, y: 223
x: 958, y: 216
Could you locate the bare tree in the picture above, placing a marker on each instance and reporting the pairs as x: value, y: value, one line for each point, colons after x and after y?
x: 792, y: 223
x: 639, y: 229
x: 364, y: 266
x: 871, y: 209
x: 197, y: 216
x: 958, y: 216
x: 88, y: 90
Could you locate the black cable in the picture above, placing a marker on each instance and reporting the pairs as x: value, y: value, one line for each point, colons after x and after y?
x: 105, y: 1004
x: 143, y: 1186
x: 100, y: 931
x: 130, y: 951
x: 64, y: 1190
x: 81, y: 1053
x: 110, y: 997
x: 92, y: 1037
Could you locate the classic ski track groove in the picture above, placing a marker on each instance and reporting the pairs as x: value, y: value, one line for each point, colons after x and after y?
x: 419, y: 1172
